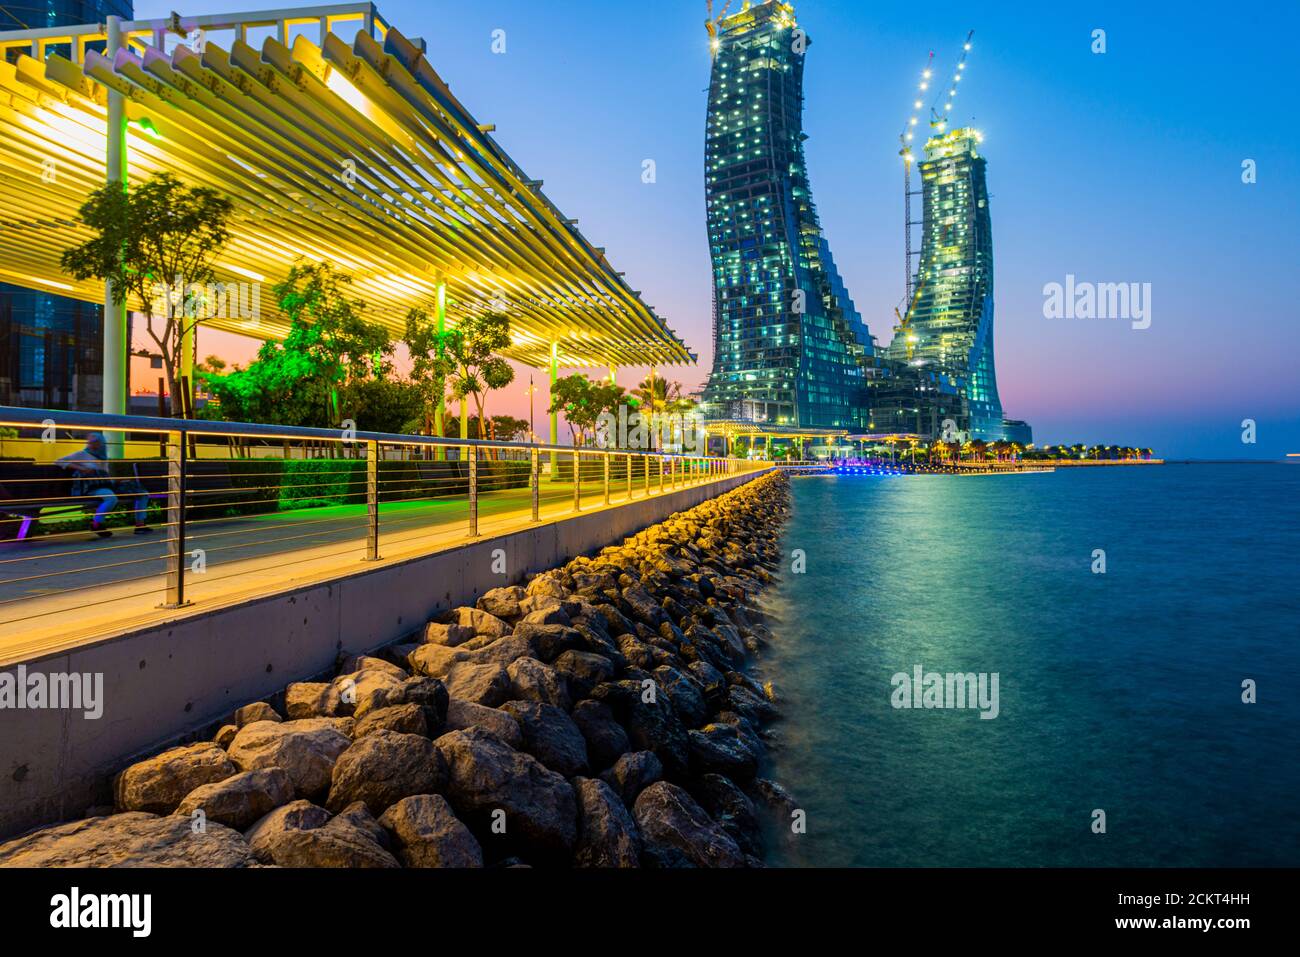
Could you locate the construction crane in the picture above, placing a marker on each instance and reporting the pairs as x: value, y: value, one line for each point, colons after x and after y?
x: 711, y: 23
x: 904, y: 327
x: 938, y: 122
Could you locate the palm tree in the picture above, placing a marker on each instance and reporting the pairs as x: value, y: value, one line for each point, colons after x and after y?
x: 655, y: 395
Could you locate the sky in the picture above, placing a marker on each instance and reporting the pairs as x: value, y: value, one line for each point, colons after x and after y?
x: 1123, y: 166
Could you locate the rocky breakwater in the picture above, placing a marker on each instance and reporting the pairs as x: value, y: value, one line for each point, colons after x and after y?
x: 599, y: 717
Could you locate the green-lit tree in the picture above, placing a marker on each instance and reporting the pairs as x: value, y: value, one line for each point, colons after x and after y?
x: 146, y: 239
x: 475, y: 367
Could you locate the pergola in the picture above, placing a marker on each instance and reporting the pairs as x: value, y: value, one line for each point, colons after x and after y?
x: 733, y: 429
x: 337, y: 141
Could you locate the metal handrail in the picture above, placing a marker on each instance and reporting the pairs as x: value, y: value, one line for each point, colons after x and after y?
x: 590, y: 470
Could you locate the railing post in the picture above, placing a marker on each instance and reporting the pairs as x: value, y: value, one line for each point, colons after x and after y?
x: 646, y: 458
x: 577, y: 480
x: 661, y: 474
x: 606, y: 457
x: 177, y: 451
x: 473, y: 491
x: 533, y: 482
x: 372, y: 500
x: 629, y: 476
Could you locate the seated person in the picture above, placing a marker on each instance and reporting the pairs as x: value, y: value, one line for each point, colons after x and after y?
x: 90, y: 466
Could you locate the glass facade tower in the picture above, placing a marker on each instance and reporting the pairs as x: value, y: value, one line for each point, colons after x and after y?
x: 949, y: 328
x: 51, y: 346
x: 789, y: 346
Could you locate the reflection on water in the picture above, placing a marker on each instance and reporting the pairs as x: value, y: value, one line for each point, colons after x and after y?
x: 1119, y: 692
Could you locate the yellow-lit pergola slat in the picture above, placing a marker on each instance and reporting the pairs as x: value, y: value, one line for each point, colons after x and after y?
x: 357, y: 154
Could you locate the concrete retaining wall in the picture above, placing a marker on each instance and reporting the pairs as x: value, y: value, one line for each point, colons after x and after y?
x: 164, y: 683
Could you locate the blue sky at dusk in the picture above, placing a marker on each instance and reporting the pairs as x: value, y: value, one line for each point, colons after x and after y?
x: 1118, y: 167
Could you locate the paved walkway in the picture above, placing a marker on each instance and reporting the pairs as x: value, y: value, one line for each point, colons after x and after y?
x: 60, y: 591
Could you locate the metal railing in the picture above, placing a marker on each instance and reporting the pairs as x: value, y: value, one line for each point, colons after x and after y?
x: 190, y: 511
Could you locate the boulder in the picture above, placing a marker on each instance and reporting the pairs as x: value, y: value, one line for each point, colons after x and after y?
x: 484, y: 775
x: 306, y: 749
x: 360, y: 663
x: 384, y: 767
x: 550, y: 736
x: 732, y: 809
x: 633, y: 773
x: 436, y: 660
x: 643, y: 607
x: 293, y: 836
x: 545, y: 642
x: 133, y: 839
x: 447, y: 634
x: 429, y: 694
x: 257, y: 711
x: 671, y: 823
x: 225, y: 735
x: 241, y: 799
x: 359, y: 816
x: 553, y: 614
x: 530, y: 680
x: 402, y: 718
x: 427, y: 833
x: 686, y: 696
x: 485, y: 684
x: 159, y: 784
x: 463, y: 715
x: 502, y: 602
x: 312, y: 699
x: 719, y: 749
x: 367, y: 689
x: 651, y: 722
x: 607, y: 836
x: 605, y: 737
x: 583, y: 670
x: 480, y: 622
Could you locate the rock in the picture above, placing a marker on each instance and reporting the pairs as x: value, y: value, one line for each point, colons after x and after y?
x: 685, y: 695
x: 292, y: 837
x: 485, y: 684
x: 481, y: 622
x: 583, y: 670
x: 225, y: 735
x: 551, y: 615
x: 644, y: 607
x: 447, y: 634
x: 502, y: 602
x: 463, y: 715
x: 365, y: 690
x: 636, y: 652
x: 485, y: 775
x: 257, y: 711
x: 241, y: 799
x: 384, y: 767
x: 652, y: 725
x: 607, y: 836
x: 436, y: 660
x: 753, y: 707
x: 359, y: 816
x: 158, y: 784
x: 543, y: 642
x: 305, y: 748
x: 311, y: 699
x: 429, y: 694
x: 732, y: 809
x: 402, y: 718
x: 550, y: 736
x: 712, y: 681
x: 632, y: 774
x: 360, y: 663
x: 427, y: 833
x: 545, y: 584
x: 718, y: 749
x: 530, y: 680
x: 133, y: 839
x: 670, y: 820
x: 295, y: 816
x: 774, y: 797
x: 605, y: 737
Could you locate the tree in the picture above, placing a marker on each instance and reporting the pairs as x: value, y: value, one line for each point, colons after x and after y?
x: 506, y: 428
x: 327, y: 326
x: 654, y: 395
x: 430, y: 366
x: 578, y: 399
x: 148, y: 239
x: 475, y: 368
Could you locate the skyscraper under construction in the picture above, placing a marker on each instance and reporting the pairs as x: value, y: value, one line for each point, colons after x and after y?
x: 790, y: 348
x: 947, y: 334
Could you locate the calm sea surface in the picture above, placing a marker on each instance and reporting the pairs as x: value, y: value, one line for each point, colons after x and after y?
x: 1118, y: 691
